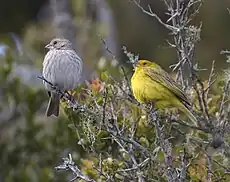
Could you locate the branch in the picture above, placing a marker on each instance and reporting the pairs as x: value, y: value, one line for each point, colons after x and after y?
x: 132, y: 59
x: 225, y: 52
x: 191, y: 126
x: 107, y: 47
x: 184, y: 166
x: 150, y: 13
x: 130, y: 141
x: 223, y: 101
x: 209, y: 167
x: 138, y: 166
x: 68, y: 164
x: 65, y: 95
x: 211, y: 81
x: 171, y: 172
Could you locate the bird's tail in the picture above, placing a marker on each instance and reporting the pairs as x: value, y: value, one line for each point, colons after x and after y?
x: 189, y: 114
x: 53, y: 105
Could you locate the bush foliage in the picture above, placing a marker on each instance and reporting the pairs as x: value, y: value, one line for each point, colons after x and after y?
x: 108, y: 136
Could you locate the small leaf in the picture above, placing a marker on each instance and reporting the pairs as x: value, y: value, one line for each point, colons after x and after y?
x: 104, y: 76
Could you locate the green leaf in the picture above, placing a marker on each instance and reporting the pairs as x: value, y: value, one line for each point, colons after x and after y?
x: 104, y: 76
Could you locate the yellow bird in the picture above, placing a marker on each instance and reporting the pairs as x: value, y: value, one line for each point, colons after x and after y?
x: 150, y: 83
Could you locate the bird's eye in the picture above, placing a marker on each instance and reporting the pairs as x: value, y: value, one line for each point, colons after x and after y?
x: 144, y: 63
x: 55, y: 42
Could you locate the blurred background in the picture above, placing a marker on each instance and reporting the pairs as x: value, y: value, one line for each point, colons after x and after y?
x: 30, y: 145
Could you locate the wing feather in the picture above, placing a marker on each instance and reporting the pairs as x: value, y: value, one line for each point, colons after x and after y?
x: 162, y: 77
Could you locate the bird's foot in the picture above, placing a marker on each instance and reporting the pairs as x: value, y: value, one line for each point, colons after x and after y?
x: 70, y: 97
x: 52, y: 86
x: 151, y: 106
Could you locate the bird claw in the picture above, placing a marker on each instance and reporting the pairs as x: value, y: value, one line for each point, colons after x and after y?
x: 70, y: 98
x: 150, y: 106
x: 57, y: 90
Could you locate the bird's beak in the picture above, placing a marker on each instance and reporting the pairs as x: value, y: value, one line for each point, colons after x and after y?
x: 136, y: 64
x: 48, y: 46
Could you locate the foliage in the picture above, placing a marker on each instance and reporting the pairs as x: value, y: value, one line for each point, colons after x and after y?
x: 30, y: 146
x: 112, y: 137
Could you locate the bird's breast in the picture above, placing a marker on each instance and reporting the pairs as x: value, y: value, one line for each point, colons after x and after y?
x: 62, y: 68
x: 145, y: 89
x: 139, y: 86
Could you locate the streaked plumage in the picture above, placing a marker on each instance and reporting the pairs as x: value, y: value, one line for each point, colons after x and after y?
x: 62, y: 67
x: 150, y: 83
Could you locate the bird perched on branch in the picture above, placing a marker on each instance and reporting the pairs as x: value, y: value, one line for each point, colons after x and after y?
x: 63, y: 68
x: 150, y: 83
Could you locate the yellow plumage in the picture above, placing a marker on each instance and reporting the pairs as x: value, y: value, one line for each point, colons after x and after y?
x: 150, y: 83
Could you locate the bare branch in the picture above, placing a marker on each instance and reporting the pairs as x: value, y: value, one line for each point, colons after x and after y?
x: 211, y: 79
x: 209, y: 167
x: 68, y: 164
x: 150, y: 13
x: 171, y: 172
x: 184, y: 166
x: 226, y: 90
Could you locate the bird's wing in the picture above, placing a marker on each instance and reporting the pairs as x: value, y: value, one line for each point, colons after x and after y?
x: 163, y: 78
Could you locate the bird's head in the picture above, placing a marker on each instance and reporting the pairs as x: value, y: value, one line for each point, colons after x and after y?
x: 59, y: 44
x: 144, y: 63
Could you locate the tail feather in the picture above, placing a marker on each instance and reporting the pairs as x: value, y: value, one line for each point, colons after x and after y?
x: 53, y: 105
x: 189, y: 114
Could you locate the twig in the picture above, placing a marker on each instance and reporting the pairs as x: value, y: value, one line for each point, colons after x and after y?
x: 225, y: 52
x: 132, y: 57
x: 150, y: 13
x: 114, y: 118
x: 221, y: 165
x: 126, y: 79
x: 171, y: 172
x: 104, y: 106
x: 128, y: 140
x: 68, y: 164
x: 73, y: 103
x: 129, y: 97
x: 210, y: 79
x: 209, y: 167
x: 140, y: 165
x: 133, y: 159
x: 192, y: 127
x: 226, y: 90
x: 202, y: 101
x: 106, y: 47
x: 184, y: 167
x: 122, y: 68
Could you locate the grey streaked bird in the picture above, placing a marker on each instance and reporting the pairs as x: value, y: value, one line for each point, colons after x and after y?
x: 63, y: 68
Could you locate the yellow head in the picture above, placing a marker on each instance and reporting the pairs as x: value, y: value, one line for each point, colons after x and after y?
x: 145, y: 63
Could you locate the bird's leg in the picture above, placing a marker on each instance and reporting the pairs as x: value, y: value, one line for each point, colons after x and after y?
x: 70, y: 92
x: 56, y: 89
x: 52, y: 86
x: 153, y: 111
x: 70, y: 96
x: 171, y: 113
x: 151, y: 106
